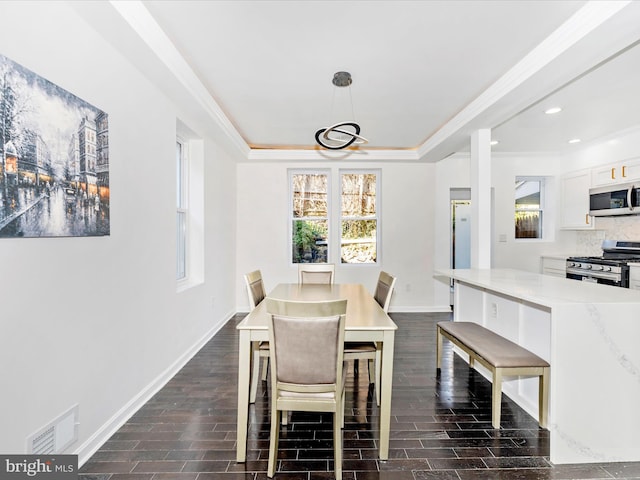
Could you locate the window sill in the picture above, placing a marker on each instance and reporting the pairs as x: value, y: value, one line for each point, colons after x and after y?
x: 532, y: 240
x: 187, y: 284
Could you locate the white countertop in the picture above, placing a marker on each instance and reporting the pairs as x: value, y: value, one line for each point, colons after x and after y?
x: 540, y: 289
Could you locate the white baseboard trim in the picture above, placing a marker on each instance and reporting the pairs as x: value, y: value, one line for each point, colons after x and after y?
x: 91, y: 445
x: 413, y: 309
x: 422, y: 309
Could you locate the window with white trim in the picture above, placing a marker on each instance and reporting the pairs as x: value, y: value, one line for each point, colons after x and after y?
x: 309, y: 211
x: 182, y: 214
x: 352, y: 210
x: 529, y: 207
x: 359, y: 220
x: 189, y: 207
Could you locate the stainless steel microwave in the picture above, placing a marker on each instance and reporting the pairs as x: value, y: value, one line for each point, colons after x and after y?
x: 620, y: 199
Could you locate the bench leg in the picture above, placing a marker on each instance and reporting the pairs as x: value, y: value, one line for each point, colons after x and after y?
x: 496, y: 397
x: 543, y: 398
x: 438, y: 348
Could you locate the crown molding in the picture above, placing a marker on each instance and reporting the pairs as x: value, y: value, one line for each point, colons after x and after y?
x: 142, y: 22
x: 583, y: 22
x: 280, y: 155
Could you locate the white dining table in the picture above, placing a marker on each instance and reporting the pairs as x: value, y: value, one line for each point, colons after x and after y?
x: 365, y: 321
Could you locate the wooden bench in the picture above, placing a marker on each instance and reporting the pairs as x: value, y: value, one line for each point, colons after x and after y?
x: 501, y: 356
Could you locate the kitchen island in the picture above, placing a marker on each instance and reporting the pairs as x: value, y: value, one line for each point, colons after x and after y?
x: 589, y: 333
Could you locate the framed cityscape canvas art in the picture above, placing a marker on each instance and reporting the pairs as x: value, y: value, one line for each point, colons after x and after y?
x: 54, y: 159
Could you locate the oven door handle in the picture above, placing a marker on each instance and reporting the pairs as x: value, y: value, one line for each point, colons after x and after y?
x: 630, y: 198
x: 593, y: 274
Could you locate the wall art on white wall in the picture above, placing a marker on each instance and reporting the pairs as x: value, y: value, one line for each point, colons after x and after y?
x: 54, y: 159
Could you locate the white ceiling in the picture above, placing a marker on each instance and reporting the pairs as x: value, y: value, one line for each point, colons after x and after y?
x: 425, y: 73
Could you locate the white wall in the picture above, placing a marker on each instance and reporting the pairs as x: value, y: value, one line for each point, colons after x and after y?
x: 97, y: 321
x: 525, y: 254
x: 407, y: 244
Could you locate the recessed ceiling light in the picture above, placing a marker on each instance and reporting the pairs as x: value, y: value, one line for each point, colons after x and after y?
x: 575, y: 140
x: 494, y: 142
x: 552, y: 110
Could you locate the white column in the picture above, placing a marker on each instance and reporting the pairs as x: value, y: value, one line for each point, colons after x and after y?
x: 481, y: 199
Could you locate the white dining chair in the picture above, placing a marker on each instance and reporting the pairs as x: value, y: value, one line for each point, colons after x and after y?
x: 257, y: 293
x: 372, y: 351
x: 316, y: 273
x: 307, y: 366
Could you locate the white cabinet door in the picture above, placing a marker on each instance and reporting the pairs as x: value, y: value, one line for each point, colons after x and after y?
x: 605, y: 175
x: 574, y: 206
x: 631, y: 170
x: 554, y: 266
x: 621, y: 172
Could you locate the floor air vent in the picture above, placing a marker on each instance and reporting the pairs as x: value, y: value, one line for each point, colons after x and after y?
x: 44, y: 443
x: 57, y: 436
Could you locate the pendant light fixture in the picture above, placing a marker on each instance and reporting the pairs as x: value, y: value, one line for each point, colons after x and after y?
x: 343, y: 134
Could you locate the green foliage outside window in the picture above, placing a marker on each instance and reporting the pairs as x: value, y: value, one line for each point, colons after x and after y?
x: 309, y: 241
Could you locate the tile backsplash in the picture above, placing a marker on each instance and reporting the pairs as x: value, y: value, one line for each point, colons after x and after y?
x: 609, y: 228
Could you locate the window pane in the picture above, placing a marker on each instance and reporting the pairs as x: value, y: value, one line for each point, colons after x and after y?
x: 310, y: 241
x: 310, y: 217
x: 359, y: 241
x: 181, y: 228
x: 179, y: 193
x: 529, y: 224
x: 528, y: 215
x: 527, y: 195
x: 359, y: 224
x: 358, y: 195
x: 309, y: 195
x: 181, y: 219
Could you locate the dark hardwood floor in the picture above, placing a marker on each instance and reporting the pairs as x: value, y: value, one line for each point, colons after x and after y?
x: 441, y: 426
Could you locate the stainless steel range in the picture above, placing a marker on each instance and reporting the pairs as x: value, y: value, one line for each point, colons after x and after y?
x: 611, y: 268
